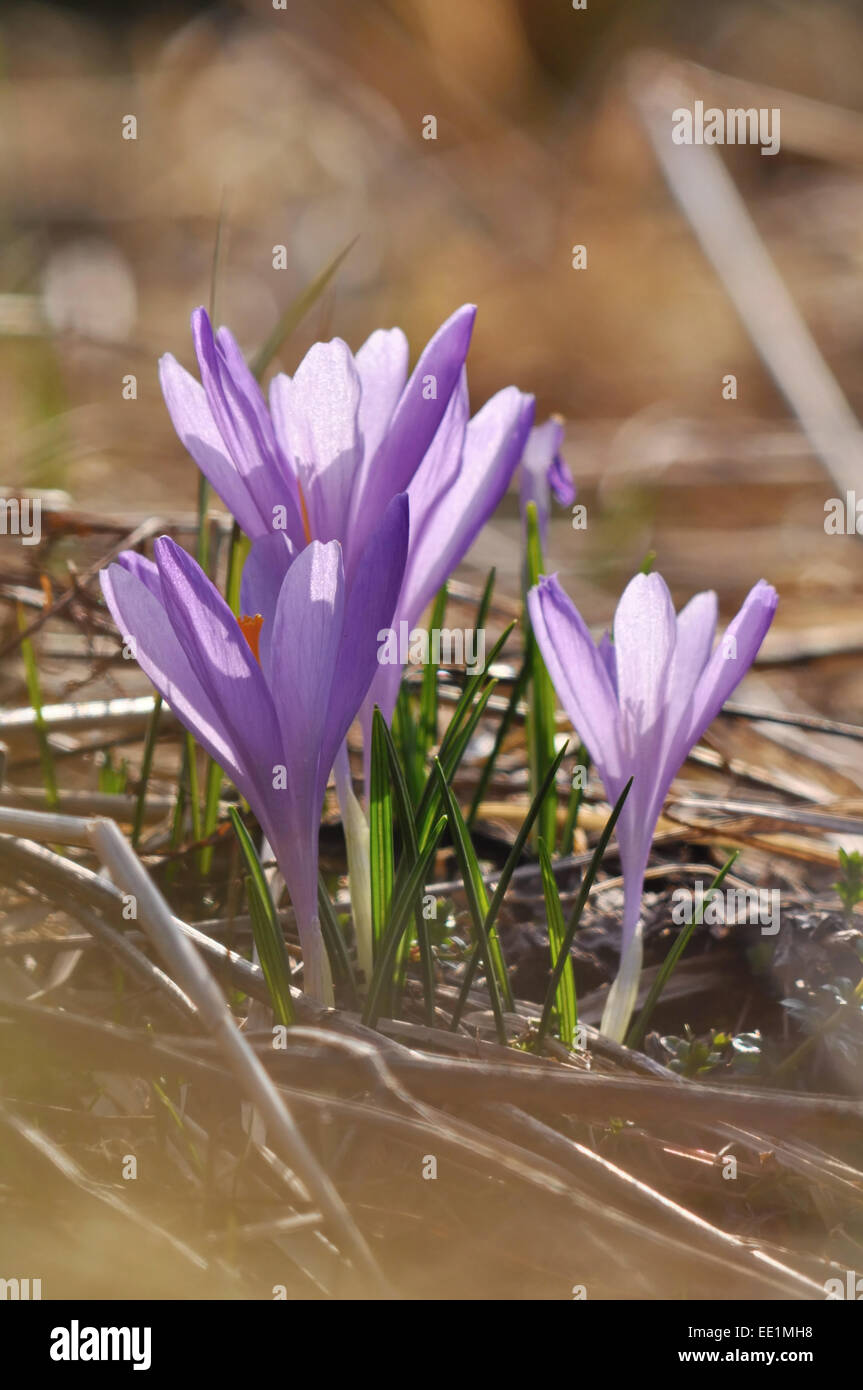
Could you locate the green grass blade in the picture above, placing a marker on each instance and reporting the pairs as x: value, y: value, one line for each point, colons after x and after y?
x: 541, y: 724
x: 296, y: 312
x: 567, y: 1008
x: 340, y: 961
x: 576, y: 796
x: 403, y: 906
x: 265, y: 926
x: 380, y: 830
x: 484, y: 608
x: 450, y: 760
x: 271, y: 952
x: 583, y: 894
x: 503, y: 728
x: 427, y: 734
x: 512, y: 859
x: 639, y: 1027
x: 404, y: 815
x: 495, y: 966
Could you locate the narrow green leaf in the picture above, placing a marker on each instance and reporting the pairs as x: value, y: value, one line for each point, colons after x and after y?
x: 495, y: 966
x: 296, y: 312
x: 265, y: 926
x: 450, y: 758
x: 271, y: 953
x: 567, y: 1010
x: 410, y: 853
x: 403, y: 905
x: 541, y: 706
x: 484, y: 608
x: 503, y: 729
x: 583, y: 894
x: 576, y: 796
x: 428, y: 695
x: 380, y: 830
x: 512, y: 859
x: 639, y: 1027
x: 337, y: 951
x: 238, y: 548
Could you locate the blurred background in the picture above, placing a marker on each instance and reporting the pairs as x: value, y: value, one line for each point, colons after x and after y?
x: 303, y: 127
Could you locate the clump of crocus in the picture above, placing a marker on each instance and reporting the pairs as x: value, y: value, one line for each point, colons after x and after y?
x: 544, y: 473
x: 269, y: 696
x: 324, y: 455
x: 640, y: 703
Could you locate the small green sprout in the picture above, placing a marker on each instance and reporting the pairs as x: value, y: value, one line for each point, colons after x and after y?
x: 849, y: 885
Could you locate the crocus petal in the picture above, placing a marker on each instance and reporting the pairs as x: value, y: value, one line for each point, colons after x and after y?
x: 308, y: 630
x: 494, y: 443
x: 315, y: 414
x: 306, y: 637
x: 733, y: 656
x: 140, y: 614
x: 540, y: 450
x: 145, y: 570
x: 645, y: 633
x: 382, y: 363
x: 249, y: 441
x: 414, y: 423
x: 579, y: 675
x: 223, y: 662
x: 370, y: 608
x: 561, y: 481
x: 696, y: 628
x: 194, y: 423
x: 439, y: 469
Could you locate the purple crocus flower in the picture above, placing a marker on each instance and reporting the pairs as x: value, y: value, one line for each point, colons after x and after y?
x: 544, y: 473
x: 343, y: 436
x: 640, y: 704
x: 270, y: 697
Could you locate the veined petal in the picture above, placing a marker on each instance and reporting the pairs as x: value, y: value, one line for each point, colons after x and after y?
x: 315, y: 413
x: 250, y: 443
x: 370, y: 607
x: 140, y: 614
x: 537, y: 463
x: 438, y: 471
x: 737, y: 649
x: 306, y: 638
x: 382, y: 363
x: 307, y: 632
x: 414, y: 423
x: 696, y: 628
x: 645, y: 633
x: 579, y: 675
x: 193, y: 420
x: 223, y: 664
x: 493, y: 445
x: 145, y: 570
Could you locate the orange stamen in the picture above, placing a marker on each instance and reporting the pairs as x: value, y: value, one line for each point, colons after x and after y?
x: 305, y: 515
x: 251, y: 630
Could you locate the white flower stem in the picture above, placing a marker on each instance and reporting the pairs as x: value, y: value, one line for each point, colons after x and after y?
x: 621, y: 999
x: 356, y: 829
x: 317, y: 977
